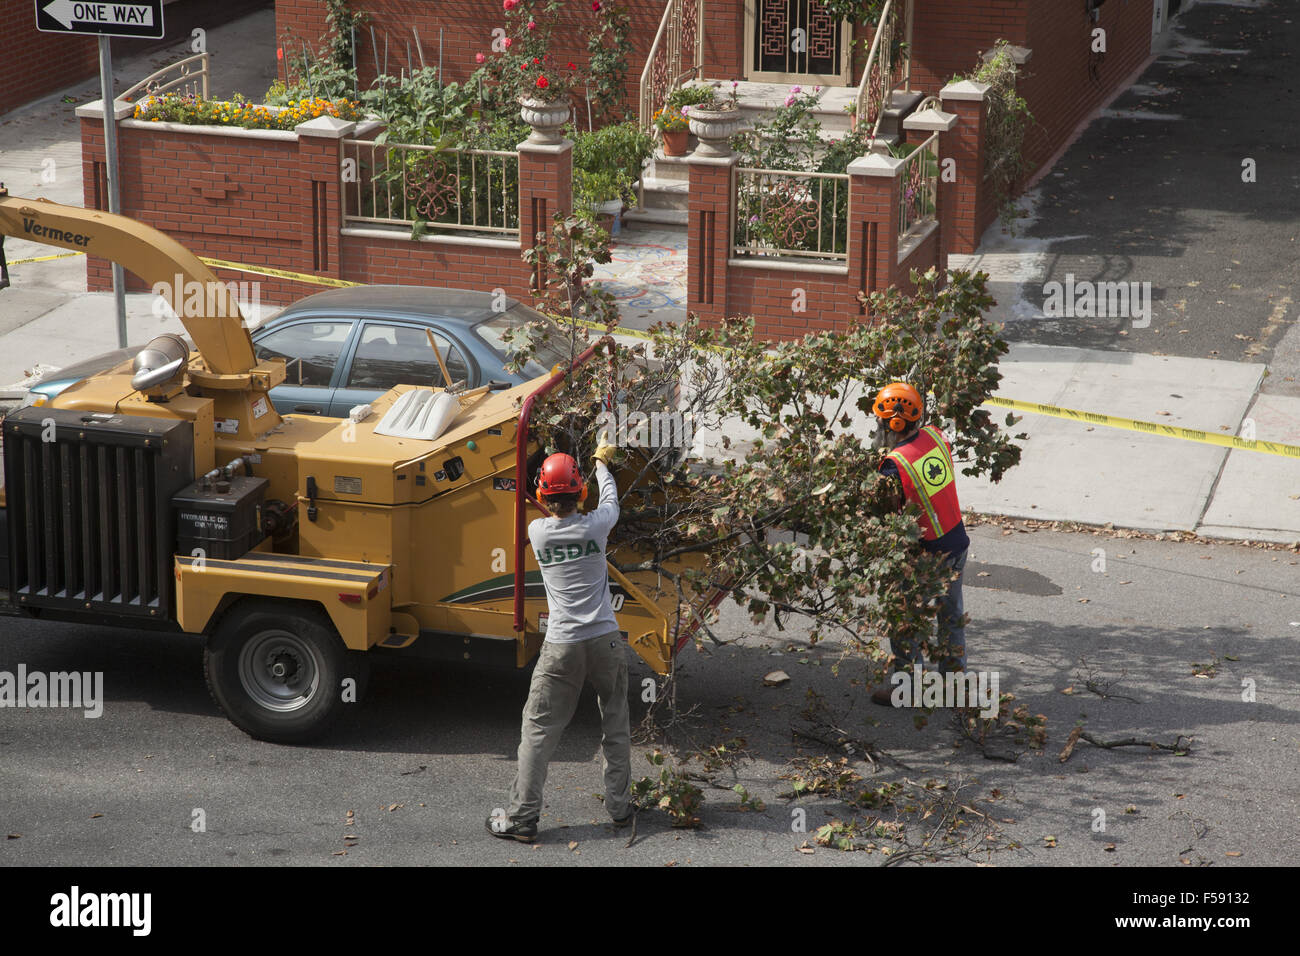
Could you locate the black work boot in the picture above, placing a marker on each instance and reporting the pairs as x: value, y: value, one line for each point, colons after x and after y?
x: 503, y: 827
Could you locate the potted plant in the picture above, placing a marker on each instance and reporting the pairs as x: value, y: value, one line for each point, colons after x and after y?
x: 715, y: 120
x: 607, y: 162
x: 851, y: 107
x: 602, y: 192
x: 671, y: 122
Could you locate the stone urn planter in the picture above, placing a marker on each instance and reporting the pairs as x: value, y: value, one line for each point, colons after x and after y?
x: 546, y: 117
x: 714, y: 129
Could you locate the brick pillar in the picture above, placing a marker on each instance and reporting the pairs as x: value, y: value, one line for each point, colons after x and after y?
x: 708, y: 234
x: 319, y: 195
x: 545, y: 190
x: 874, y: 185
x: 966, y: 146
x: 94, y: 178
x: 920, y: 127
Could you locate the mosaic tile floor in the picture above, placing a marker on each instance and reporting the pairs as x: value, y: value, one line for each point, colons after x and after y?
x: 647, y: 275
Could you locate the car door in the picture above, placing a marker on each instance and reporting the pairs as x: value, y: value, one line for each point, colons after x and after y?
x: 312, y: 348
x: 389, y: 352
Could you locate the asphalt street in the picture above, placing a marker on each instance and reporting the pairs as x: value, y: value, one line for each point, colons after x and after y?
x: 422, y: 763
x: 1152, y: 191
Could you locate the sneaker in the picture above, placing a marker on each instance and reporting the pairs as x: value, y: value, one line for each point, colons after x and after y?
x: 525, y: 832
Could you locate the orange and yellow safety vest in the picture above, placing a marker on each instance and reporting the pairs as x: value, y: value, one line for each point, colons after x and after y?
x: 926, y: 471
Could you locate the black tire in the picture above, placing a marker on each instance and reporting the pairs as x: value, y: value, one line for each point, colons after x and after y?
x: 276, y: 670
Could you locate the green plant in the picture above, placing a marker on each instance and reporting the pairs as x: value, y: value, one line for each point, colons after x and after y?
x: 601, y: 186
x: 523, y: 67
x: 670, y: 120
x: 789, y: 139
x: 688, y: 96
x: 671, y: 792
x: 857, y: 569
x: 856, y: 11
x: 721, y: 98
x: 622, y: 146
x: 1006, y: 123
x: 608, y: 50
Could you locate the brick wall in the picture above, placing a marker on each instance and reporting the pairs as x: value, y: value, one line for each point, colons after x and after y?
x: 1065, y: 81
x: 948, y: 35
x: 275, y: 201
x: 34, y: 64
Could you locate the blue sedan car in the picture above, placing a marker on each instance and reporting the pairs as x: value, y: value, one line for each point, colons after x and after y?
x: 346, y: 347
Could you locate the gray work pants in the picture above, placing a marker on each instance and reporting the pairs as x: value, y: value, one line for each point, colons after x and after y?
x: 561, y: 671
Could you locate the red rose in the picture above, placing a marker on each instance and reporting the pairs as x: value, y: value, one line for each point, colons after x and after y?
x: 542, y: 83
x: 595, y: 7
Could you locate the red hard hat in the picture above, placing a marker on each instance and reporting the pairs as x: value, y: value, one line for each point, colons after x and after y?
x: 560, y: 476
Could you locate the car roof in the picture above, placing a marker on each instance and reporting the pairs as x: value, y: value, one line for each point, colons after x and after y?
x: 399, y: 301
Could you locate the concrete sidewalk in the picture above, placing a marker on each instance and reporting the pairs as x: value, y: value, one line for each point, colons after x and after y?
x: 1069, y: 471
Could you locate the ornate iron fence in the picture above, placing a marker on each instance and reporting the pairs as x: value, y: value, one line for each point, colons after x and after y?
x: 190, y: 74
x: 920, y: 176
x: 677, y: 41
x: 781, y: 212
x: 889, y: 63
x: 446, y: 190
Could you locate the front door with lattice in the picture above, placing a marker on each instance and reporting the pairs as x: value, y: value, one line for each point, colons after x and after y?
x: 795, y: 40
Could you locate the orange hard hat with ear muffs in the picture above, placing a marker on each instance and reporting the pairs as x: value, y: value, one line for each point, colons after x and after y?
x: 899, y: 404
x: 560, y: 475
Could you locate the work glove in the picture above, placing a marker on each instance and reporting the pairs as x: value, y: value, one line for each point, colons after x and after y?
x: 605, y: 452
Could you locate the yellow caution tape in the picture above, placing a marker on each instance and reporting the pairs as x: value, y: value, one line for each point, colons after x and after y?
x: 1151, y: 428
x: 279, y: 273
x: 61, y: 255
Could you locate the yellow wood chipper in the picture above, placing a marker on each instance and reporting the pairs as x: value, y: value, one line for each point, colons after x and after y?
x: 167, y: 493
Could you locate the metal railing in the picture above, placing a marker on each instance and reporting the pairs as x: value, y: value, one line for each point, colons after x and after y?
x: 191, y: 73
x: 781, y: 212
x: 882, y: 75
x: 678, y: 35
x: 448, y: 190
x: 920, y: 183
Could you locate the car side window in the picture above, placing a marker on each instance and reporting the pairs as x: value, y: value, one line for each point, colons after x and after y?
x: 389, y: 355
x: 310, y: 349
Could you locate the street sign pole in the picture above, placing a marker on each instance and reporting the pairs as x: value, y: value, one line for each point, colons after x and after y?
x: 127, y: 18
x: 110, y: 157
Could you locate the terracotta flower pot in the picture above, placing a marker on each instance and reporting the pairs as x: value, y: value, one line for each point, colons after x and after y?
x: 546, y: 117
x: 675, y: 142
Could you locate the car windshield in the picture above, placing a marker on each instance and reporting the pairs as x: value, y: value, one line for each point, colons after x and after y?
x: 547, y: 355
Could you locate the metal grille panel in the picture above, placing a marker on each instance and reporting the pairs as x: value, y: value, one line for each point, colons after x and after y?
x: 90, y: 520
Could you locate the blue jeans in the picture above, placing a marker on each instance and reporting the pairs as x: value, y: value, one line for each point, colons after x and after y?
x: 951, y: 647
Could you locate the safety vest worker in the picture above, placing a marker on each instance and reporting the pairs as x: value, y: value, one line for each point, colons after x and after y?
x: 920, y: 459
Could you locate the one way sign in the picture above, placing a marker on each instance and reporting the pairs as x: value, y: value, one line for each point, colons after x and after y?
x: 128, y: 18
